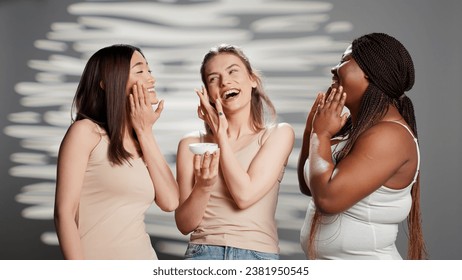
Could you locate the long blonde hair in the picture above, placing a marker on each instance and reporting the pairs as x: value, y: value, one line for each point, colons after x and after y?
x: 260, y: 100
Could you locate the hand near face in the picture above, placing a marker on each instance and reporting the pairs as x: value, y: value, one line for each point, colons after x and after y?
x: 328, y: 118
x: 143, y: 116
x: 214, y: 117
x: 314, y: 108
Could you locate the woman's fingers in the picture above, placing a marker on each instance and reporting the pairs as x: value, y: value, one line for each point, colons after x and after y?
x: 338, y: 101
x: 206, y: 111
x: 197, y: 165
x: 206, y: 168
x: 341, y: 102
x: 222, y: 121
x: 328, y: 117
x: 206, y: 163
x: 322, y: 101
x: 143, y: 95
x: 330, y: 98
x: 319, y: 98
x: 200, y: 95
x: 200, y: 114
x: 319, y: 101
x: 335, y: 101
x: 132, y: 102
x: 135, y: 96
x: 215, y: 160
x: 219, y: 109
x: 160, y: 107
x: 140, y: 95
x: 204, y: 99
x: 146, y: 99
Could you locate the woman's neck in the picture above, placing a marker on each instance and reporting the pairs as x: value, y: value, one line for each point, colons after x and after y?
x: 239, y: 125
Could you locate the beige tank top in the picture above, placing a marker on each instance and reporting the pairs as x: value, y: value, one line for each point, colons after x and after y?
x: 224, y: 224
x: 113, y: 203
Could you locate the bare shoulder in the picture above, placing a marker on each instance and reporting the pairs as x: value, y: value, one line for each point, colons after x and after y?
x: 389, y: 131
x: 280, y: 134
x: 284, y: 127
x: 281, y: 130
x: 83, y: 133
x: 85, y: 127
x: 388, y: 137
x: 189, y: 138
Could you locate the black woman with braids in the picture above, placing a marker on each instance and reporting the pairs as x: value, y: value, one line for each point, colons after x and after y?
x: 362, y: 168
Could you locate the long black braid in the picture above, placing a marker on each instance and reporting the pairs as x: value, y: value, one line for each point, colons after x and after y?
x: 390, y: 72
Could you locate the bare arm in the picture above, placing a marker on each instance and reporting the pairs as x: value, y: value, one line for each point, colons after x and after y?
x: 196, y: 177
x: 264, y: 169
x: 72, y: 162
x: 374, y: 161
x: 143, y: 117
x: 304, y: 151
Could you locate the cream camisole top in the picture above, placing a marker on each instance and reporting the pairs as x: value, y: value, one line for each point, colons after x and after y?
x: 367, y: 230
x: 113, y: 203
x: 224, y: 224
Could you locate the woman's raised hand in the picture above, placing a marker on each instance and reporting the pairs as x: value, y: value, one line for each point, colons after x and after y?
x: 213, y: 116
x: 143, y: 116
x: 328, y: 117
x: 309, y: 120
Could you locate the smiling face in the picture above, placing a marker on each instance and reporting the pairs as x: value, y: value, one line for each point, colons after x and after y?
x: 139, y: 71
x: 228, y: 80
x: 351, y: 77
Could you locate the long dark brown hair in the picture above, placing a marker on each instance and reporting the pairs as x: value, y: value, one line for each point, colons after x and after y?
x: 390, y: 72
x: 260, y: 102
x: 101, y: 95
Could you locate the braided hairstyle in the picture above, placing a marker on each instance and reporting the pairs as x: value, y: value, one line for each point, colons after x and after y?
x: 390, y: 72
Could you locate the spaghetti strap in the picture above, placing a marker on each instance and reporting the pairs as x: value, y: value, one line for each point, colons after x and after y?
x: 266, y: 133
x: 102, y: 133
x: 407, y: 128
x: 418, y: 150
x: 98, y: 128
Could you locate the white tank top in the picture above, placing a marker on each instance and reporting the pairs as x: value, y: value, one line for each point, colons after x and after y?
x: 368, y: 229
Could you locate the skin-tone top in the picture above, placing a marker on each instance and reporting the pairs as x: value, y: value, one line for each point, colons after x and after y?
x: 112, y: 207
x: 253, y: 228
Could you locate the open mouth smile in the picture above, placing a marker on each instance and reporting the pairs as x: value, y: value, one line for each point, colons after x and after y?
x: 230, y: 94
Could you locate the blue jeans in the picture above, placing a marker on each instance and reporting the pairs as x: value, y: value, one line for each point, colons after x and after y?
x: 212, y: 252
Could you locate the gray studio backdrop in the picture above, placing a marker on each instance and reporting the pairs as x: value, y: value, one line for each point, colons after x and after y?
x: 45, y: 43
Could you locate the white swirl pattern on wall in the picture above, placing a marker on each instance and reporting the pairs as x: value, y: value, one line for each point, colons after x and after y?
x: 291, y: 42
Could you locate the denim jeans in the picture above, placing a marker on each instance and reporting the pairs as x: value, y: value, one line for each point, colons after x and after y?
x: 212, y: 252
